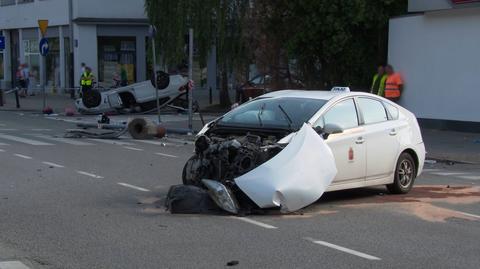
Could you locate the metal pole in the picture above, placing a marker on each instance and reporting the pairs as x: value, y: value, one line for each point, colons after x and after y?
x: 190, y: 77
x: 44, y: 64
x: 154, y: 51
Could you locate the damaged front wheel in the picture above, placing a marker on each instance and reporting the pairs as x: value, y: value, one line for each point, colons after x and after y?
x: 193, y: 172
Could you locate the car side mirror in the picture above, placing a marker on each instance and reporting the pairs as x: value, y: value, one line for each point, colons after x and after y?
x: 330, y: 129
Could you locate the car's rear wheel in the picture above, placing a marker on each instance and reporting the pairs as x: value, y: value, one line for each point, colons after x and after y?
x: 405, y: 174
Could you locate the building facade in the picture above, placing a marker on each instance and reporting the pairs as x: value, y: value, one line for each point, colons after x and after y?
x: 110, y: 36
x: 436, y: 49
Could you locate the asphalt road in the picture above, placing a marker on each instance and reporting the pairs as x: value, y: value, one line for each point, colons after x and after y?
x: 97, y: 204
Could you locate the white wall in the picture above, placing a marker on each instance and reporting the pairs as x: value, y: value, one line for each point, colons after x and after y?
x: 86, y: 51
x: 26, y: 15
x: 439, y: 56
x: 131, y: 9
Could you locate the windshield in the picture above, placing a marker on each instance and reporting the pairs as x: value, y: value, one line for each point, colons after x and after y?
x: 284, y: 113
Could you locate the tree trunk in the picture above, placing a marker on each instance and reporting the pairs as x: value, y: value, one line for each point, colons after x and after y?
x: 224, y: 96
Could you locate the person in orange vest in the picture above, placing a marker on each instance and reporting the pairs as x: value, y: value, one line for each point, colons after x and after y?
x: 393, y: 85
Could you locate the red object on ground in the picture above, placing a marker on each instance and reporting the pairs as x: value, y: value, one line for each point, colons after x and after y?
x: 47, y: 110
x: 161, y: 131
x: 69, y: 111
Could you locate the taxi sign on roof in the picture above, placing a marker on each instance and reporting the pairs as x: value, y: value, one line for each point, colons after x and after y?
x: 43, y: 25
x: 340, y: 89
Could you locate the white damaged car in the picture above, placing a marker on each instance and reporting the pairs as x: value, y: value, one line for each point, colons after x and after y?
x: 285, y: 149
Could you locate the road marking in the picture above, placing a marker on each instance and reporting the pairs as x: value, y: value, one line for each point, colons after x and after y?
x: 89, y: 174
x: 258, y: 223
x: 8, y: 130
x: 2, y: 125
x: 112, y: 142
x: 470, y: 177
x: 53, y: 164
x: 130, y: 148
x: 430, y: 170
x: 448, y: 173
x: 179, y: 141
x: 133, y: 187
x: 166, y: 155
x: 13, y: 265
x: 152, y: 142
x: 63, y: 140
x: 3, y: 144
x: 41, y: 130
x: 2, y: 150
x: 343, y: 249
x: 25, y: 140
x: 23, y: 156
x: 468, y: 214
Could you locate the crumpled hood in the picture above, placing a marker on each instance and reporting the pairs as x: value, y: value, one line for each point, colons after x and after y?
x: 296, y: 177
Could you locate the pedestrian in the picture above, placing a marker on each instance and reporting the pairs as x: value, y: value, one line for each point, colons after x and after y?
x: 393, y: 85
x: 83, y: 67
x: 86, y: 81
x: 123, y: 77
x: 20, y: 80
x: 26, y: 78
x: 378, y: 82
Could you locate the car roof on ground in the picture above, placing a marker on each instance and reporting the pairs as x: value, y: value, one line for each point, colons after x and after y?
x: 312, y: 94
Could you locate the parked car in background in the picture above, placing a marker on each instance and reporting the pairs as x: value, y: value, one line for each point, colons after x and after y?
x: 262, y: 83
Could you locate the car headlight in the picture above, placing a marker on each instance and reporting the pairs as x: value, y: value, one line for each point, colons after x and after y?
x: 221, y: 195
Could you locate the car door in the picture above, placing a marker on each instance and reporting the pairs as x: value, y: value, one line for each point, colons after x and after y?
x: 381, y: 138
x: 348, y: 147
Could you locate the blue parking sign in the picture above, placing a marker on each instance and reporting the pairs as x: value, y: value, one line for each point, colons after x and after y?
x: 2, y: 42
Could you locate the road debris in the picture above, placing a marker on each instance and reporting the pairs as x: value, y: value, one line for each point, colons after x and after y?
x: 184, y: 199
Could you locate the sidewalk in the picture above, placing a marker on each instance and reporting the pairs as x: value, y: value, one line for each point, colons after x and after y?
x: 452, y: 146
x: 58, y: 102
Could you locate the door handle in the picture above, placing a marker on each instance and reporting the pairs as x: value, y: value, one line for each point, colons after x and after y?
x: 393, y: 132
x: 360, y: 140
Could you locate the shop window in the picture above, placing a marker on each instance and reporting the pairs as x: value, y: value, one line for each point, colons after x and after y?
x: 32, y: 59
x: 53, y: 63
x: 116, y: 58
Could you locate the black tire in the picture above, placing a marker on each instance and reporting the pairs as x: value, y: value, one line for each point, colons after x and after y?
x: 163, y: 80
x: 91, y: 98
x: 193, y: 173
x: 405, y: 174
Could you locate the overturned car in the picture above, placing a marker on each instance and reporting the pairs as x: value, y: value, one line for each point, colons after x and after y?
x: 283, y: 149
x: 138, y: 97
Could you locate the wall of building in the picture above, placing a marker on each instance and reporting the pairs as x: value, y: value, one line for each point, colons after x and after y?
x: 27, y: 15
x: 133, y: 9
x: 438, y: 56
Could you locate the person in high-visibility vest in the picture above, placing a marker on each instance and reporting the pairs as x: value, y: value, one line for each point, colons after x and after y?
x: 86, y: 81
x: 378, y: 82
x: 393, y: 85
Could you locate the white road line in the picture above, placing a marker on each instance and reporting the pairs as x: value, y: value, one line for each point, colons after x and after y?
x: 53, y: 164
x: 3, y: 144
x: 258, y: 223
x: 112, y: 142
x: 166, y: 155
x: 69, y: 141
x: 344, y: 249
x: 470, y: 177
x: 133, y: 187
x: 8, y: 130
x: 23, y: 156
x: 2, y: 125
x: 89, y: 174
x: 449, y: 174
x: 41, y: 130
x: 430, y: 170
x: 130, y: 148
x: 24, y: 140
x: 2, y: 150
x: 13, y: 265
x: 158, y: 143
x: 468, y: 214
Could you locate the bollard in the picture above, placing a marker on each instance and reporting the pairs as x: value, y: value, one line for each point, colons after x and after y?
x: 210, y: 97
x: 141, y: 128
x: 1, y: 97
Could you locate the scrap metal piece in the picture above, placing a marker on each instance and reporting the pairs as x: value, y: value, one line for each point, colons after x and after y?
x: 221, y: 195
x: 294, y: 178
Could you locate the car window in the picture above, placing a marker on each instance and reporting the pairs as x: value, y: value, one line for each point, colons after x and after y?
x: 373, y: 111
x: 343, y: 114
x: 257, y: 80
x: 282, y: 112
x: 392, y: 110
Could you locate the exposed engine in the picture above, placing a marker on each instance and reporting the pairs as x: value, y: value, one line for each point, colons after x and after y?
x: 223, y: 159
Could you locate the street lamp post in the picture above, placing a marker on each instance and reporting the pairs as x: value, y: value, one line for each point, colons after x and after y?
x: 153, y: 32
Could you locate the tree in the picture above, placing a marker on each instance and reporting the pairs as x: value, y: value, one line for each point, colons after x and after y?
x: 215, y: 22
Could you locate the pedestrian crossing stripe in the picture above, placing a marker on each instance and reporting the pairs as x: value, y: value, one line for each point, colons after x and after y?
x: 24, y: 140
x: 64, y: 140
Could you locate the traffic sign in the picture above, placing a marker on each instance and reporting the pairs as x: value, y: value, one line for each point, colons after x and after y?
x: 2, y: 42
x: 43, y: 47
x: 43, y: 25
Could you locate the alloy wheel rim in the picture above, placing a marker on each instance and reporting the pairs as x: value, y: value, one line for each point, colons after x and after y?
x: 405, y: 173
